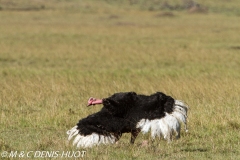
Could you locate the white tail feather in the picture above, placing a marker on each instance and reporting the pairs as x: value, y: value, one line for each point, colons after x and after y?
x: 167, y: 125
x: 146, y: 127
x: 155, y: 129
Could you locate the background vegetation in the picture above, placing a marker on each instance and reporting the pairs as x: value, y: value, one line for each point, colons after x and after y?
x: 56, y: 54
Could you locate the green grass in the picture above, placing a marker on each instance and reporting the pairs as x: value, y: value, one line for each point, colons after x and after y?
x: 54, y: 58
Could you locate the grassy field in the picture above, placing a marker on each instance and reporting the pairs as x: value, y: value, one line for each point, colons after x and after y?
x: 54, y: 55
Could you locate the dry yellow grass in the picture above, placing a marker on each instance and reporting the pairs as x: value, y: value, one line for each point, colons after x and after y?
x: 52, y: 60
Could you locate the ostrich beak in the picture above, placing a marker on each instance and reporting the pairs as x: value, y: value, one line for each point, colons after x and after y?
x: 93, y: 101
